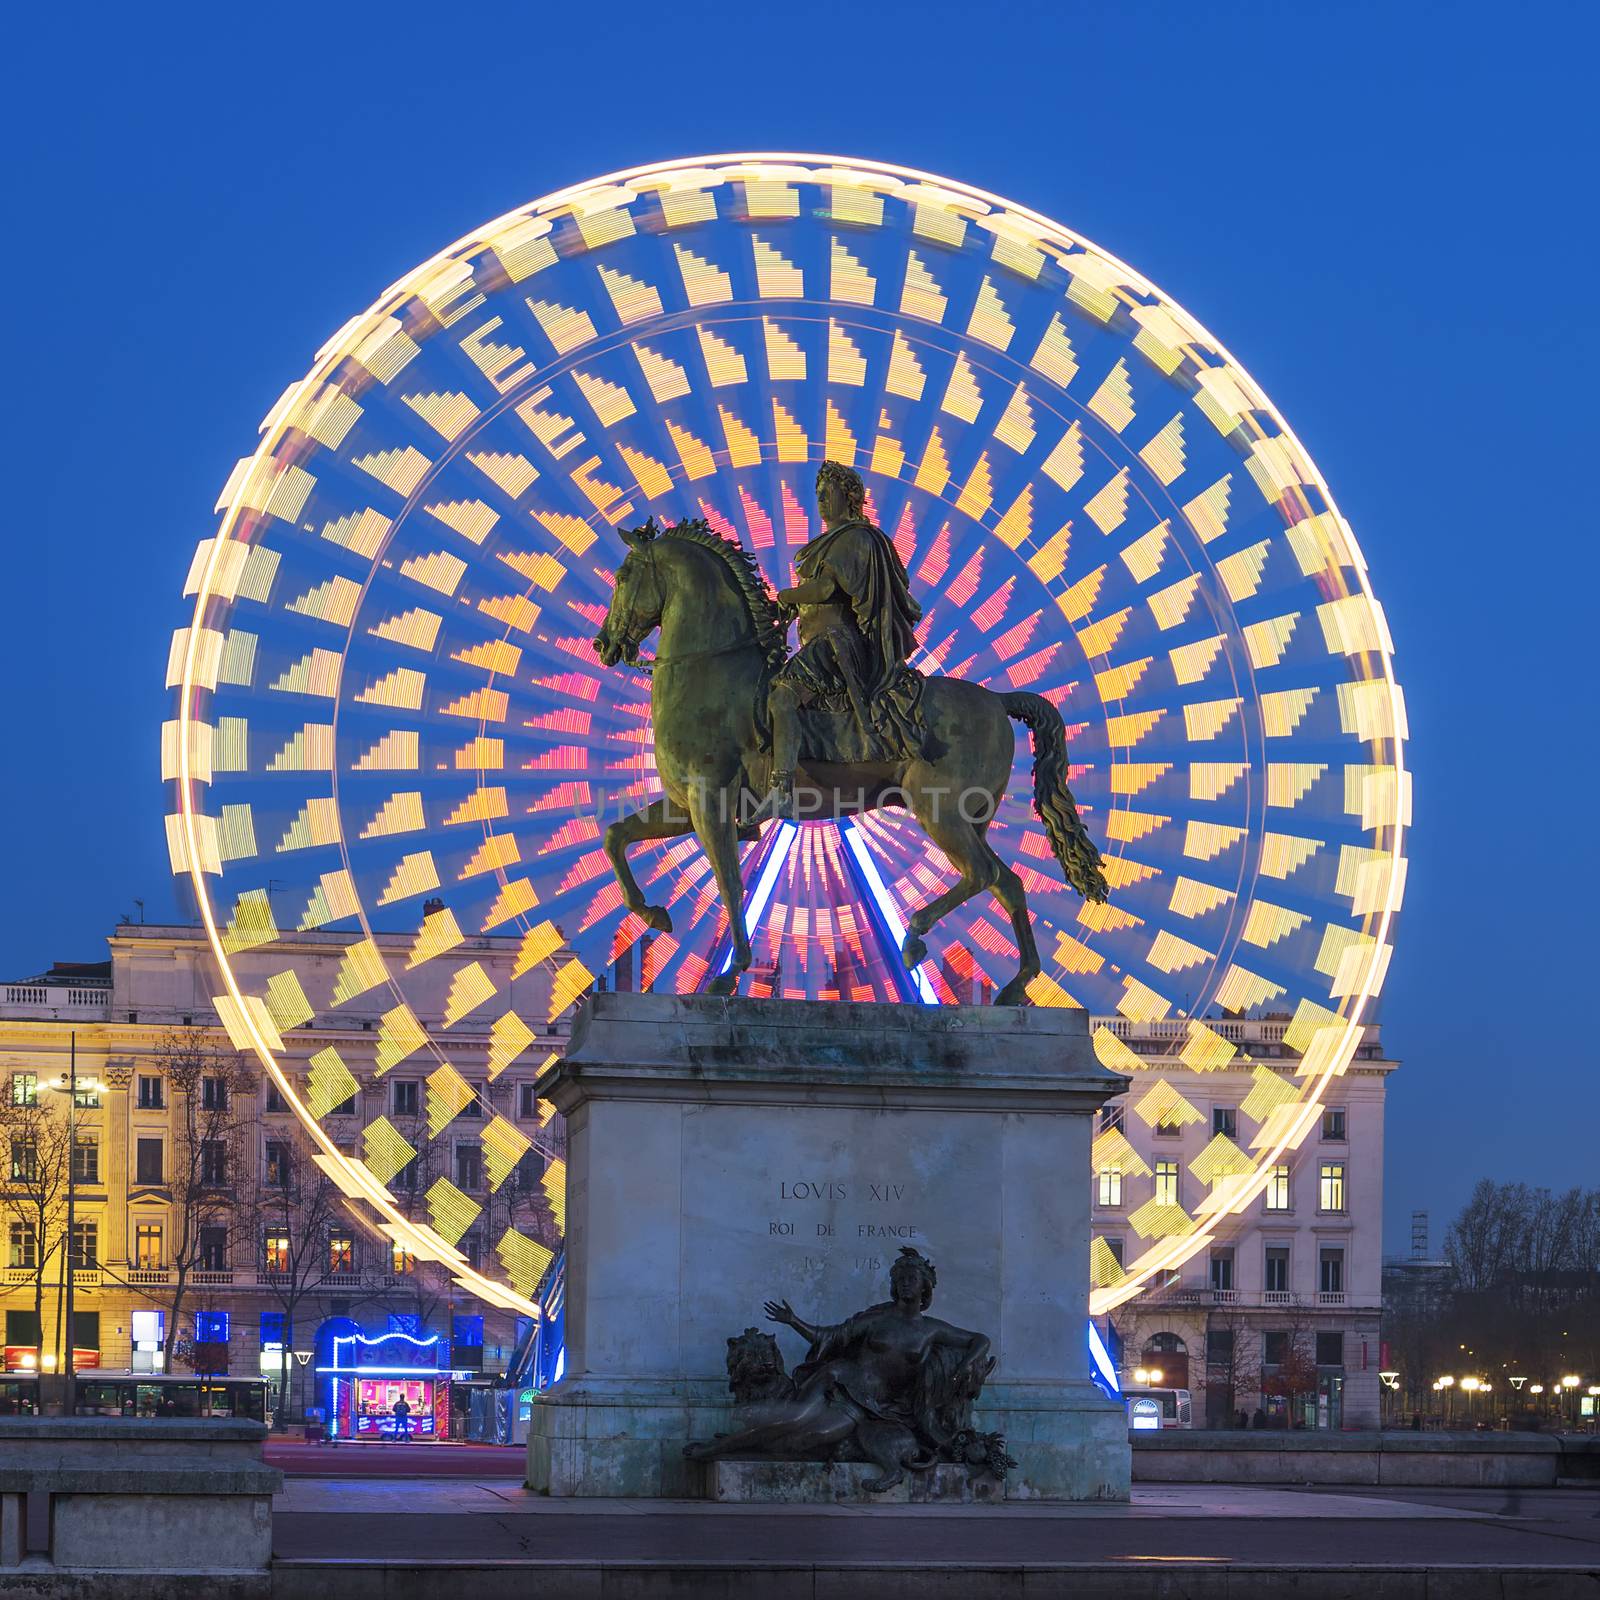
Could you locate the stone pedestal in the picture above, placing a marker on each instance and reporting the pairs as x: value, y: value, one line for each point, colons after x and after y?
x: 727, y: 1152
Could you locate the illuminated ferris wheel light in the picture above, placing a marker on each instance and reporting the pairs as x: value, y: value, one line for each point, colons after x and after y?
x: 385, y: 696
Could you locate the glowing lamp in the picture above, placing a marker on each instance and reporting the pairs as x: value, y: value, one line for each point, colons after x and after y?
x: 1446, y: 1381
x: 1537, y: 1388
x: 1517, y: 1383
x: 1471, y: 1385
x: 1155, y: 1375
x: 1571, y: 1381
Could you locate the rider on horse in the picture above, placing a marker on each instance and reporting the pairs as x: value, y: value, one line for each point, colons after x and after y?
x: 846, y: 695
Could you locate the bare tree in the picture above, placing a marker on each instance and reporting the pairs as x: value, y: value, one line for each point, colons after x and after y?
x: 289, y: 1218
x: 1482, y: 1244
x: 1232, y: 1365
x: 210, y: 1170
x: 38, y: 1166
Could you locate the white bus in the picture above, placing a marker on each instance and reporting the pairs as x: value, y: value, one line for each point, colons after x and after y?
x: 1158, y: 1408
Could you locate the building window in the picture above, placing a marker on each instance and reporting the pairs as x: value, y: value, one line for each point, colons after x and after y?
x: 1166, y: 1183
x: 401, y: 1260
x: 1275, y: 1347
x: 1111, y: 1116
x: 86, y: 1160
x: 1111, y: 1186
x: 214, y: 1163
x: 346, y: 1108
x: 213, y: 1094
x: 1333, y: 1123
x: 529, y: 1103
x: 24, y: 1161
x: 213, y: 1249
x: 277, y: 1164
x: 1276, y: 1277
x: 1332, y: 1279
x: 471, y: 1247
x: 1222, y: 1271
x: 1225, y: 1120
x: 151, y: 1094
x: 406, y: 1177
x: 1113, y: 1243
x: 1330, y: 1348
x: 341, y: 1252
x: 277, y: 1250
x: 469, y: 1166
x: 1219, y: 1347
x: 1166, y: 1129
x: 275, y: 1100
x: 86, y: 1099
x: 24, y: 1246
x: 529, y: 1170
x: 474, y: 1107
x: 1278, y: 1189
x: 405, y: 1098
x: 1330, y: 1188
x: 85, y: 1251
x: 147, y: 1161
x: 24, y: 1088
x: 147, y: 1249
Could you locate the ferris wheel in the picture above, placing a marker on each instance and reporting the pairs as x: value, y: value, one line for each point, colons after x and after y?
x: 387, y: 694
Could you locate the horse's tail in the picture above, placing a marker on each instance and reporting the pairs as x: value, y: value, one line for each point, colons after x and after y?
x: 1052, y: 799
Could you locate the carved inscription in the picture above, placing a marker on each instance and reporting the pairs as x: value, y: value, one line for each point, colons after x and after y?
x: 830, y: 1211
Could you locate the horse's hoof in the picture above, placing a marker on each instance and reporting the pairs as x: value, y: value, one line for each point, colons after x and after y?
x: 657, y: 917
x: 724, y: 983
x: 1015, y: 993
x: 913, y: 952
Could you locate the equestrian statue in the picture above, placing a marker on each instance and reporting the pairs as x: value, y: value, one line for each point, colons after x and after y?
x: 744, y: 731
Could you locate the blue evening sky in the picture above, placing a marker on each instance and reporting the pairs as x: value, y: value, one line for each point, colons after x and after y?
x: 1388, y: 211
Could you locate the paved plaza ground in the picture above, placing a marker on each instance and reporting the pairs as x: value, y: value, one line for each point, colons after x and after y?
x: 1201, y: 1540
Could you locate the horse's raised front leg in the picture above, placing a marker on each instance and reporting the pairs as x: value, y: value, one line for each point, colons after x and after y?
x: 661, y: 819
x: 967, y: 852
x: 716, y: 826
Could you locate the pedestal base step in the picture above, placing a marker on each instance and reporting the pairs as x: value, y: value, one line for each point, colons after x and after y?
x: 842, y: 1483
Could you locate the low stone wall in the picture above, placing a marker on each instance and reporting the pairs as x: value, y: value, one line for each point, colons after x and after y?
x: 137, y: 1496
x: 1414, y: 1460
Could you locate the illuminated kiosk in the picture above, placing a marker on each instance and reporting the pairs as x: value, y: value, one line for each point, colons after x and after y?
x: 366, y: 1376
x: 728, y: 1152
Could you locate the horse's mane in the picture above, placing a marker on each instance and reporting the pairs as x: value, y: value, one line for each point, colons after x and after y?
x: 771, y: 635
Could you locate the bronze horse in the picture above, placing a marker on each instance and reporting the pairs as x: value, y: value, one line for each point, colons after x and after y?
x: 722, y: 636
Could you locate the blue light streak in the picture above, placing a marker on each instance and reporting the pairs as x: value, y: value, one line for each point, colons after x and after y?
x: 885, y: 902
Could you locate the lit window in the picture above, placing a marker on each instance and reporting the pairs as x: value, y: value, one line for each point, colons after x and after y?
x: 211, y: 1327
x: 1111, y: 1186
x: 278, y: 1251
x: 147, y: 1248
x: 24, y: 1088
x: 402, y: 1260
x: 341, y: 1253
x: 1333, y: 1124
x: 1278, y: 1189
x: 1330, y: 1189
x: 1166, y: 1183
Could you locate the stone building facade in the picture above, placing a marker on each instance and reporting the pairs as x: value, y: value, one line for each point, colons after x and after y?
x: 1291, y: 1288
x: 124, y: 1015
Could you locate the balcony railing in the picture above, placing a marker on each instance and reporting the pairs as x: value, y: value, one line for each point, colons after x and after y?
x: 149, y: 1277
x: 1330, y: 1297
x: 1225, y: 1297
x: 1277, y: 1297
x: 54, y: 1001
